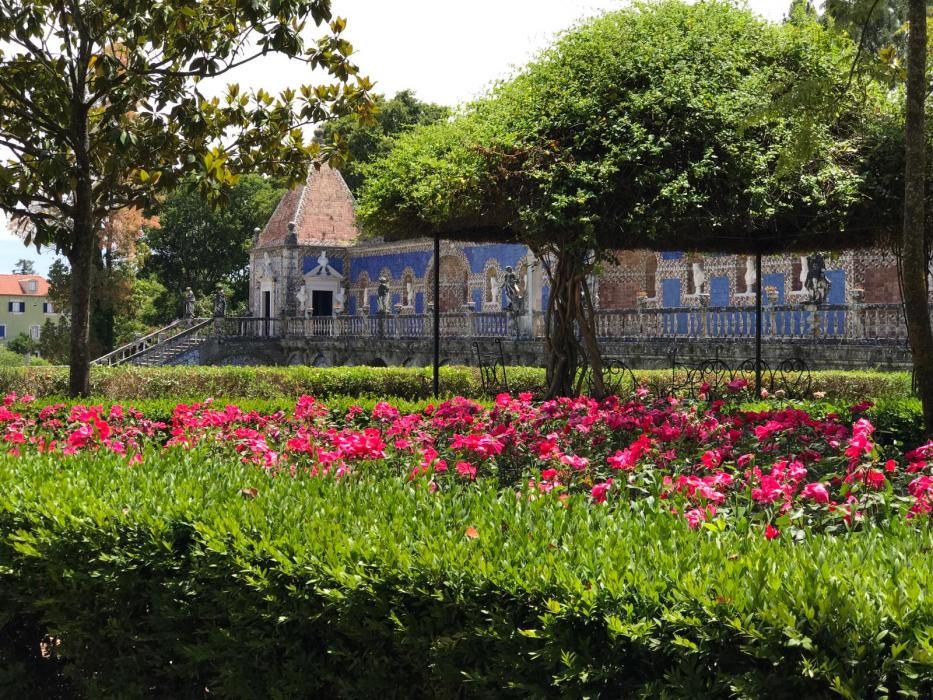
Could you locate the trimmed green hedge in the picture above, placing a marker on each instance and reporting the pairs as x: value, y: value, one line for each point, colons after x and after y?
x: 124, y: 383
x: 162, y: 580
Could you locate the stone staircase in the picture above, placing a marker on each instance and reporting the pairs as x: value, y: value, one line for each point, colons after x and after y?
x: 164, y: 347
x: 167, y: 353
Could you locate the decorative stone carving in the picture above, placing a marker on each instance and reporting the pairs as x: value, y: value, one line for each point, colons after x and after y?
x: 751, y: 279
x: 383, y: 295
x: 699, y: 278
x: 302, y: 297
x: 220, y: 303
x: 817, y: 284
x: 189, y: 303
x: 512, y: 290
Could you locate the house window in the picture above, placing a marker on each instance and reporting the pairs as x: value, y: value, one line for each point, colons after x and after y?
x: 31, y: 287
x: 47, y: 307
x: 16, y: 307
x: 2, y: 331
x: 34, y: 332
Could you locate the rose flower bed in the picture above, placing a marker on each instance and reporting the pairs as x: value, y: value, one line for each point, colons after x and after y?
x: 773, y: 468
x: 567, y: 547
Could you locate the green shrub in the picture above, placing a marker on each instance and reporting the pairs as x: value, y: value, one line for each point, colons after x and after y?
x: 163, y: 580
x: 129, y: 382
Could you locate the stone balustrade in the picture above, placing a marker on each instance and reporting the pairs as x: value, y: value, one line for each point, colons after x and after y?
x: 780, y: 322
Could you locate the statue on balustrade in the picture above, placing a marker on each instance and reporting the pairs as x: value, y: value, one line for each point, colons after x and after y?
x: 817, y: 283
x: 383, y: 295
x: 512, y: 290
x: 189, y: 303
x: 220, y: 303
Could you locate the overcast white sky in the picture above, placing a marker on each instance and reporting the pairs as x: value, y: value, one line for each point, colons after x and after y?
x: 447, y: 51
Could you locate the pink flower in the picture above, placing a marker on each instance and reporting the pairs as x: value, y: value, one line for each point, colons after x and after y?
x: 575, y: 462
x: 736, y: 385
x: 711, y: 459
x: 599, y: 491
x: 466, y: 469
x: 628, y: 458
x: 815, y: 492
x: 771, y: 532
x: 695, y: 517
x: 874, y: 479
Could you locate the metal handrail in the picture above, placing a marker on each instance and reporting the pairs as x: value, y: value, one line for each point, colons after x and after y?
x: 141, y: 346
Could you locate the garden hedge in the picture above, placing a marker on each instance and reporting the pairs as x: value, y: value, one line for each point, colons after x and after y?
x: 129, y: 382
x: 174, y: 579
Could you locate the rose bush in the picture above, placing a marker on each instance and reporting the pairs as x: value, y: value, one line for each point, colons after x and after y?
x: 781, y: 469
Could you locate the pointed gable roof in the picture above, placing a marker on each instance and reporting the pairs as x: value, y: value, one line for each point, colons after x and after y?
x: 322, y: 210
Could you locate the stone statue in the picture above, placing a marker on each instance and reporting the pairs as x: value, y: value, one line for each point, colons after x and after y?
x: 409, y: 293
x: 699, y: 278
x: 494, y: 289
x: 302, y: 298
x: 512, y: 290
x: 220, y: 303
x: 340, y: 300
x: 189, y: 303
x: 383, y: 295
x: 751, y: 277
x: 817, y: 284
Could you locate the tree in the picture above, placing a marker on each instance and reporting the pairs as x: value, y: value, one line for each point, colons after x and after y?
x: 120, y: 234
x: 365, y: 141
x: 122, y: 305
x: 24, y: 267
x: 197, y: 245
x: 23, y: 345
x: 101, y: 109
x: 655, y: 127
x: 914, y: 245
x: 54, y: 340
x: 874, y: 24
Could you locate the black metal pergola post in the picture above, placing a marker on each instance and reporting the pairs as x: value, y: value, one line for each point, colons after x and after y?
x: 437, y: 315
x: 758, y: 286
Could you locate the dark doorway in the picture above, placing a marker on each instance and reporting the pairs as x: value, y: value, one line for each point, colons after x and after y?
x: 266, y: 311
x: 322, y: 303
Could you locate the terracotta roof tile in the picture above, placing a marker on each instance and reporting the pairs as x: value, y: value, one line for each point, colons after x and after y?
x: 322, y: 209
x: 15, y: 285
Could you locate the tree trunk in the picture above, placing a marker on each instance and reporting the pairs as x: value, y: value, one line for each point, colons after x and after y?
x: 81, y: 255
x: 913, y: 243
x: 565, y: 313
x: 587, y: 323
x: 81, y: 259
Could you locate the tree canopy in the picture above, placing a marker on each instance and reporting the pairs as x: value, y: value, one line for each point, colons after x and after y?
x: 366, y: 140
x: 664, y: 126
x: 102, y: 108
x: 199, y: 246
x: 24, y: 266
x: 660, y: 126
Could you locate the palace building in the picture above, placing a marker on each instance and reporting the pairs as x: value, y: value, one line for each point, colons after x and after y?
x: 309, y: 261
